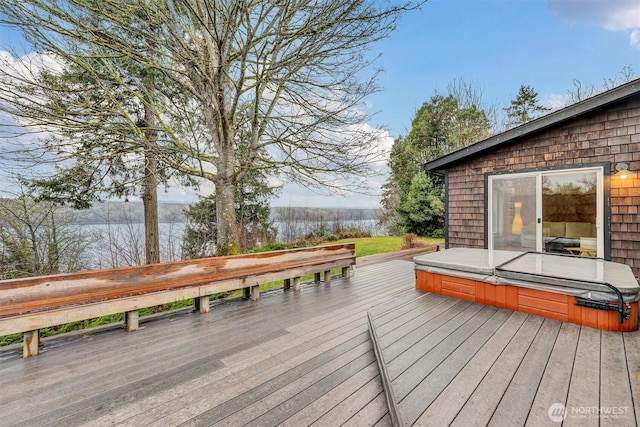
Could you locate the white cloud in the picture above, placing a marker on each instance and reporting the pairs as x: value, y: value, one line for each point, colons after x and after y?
x: 614, y: 15
x: 29, y: 65
x: 609, y: 14
x: 556, y: 101
x: 634, y: 38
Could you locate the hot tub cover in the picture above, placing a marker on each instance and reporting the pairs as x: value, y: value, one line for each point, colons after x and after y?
x: 571, y: 271
x: 468, y: 260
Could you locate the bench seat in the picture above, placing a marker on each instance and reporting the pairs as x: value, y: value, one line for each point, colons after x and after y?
x: 30, y: 304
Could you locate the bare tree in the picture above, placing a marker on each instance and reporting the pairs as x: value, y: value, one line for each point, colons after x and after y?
x: 289, y: 71
x: 38, y: 238
x: 582, y: 91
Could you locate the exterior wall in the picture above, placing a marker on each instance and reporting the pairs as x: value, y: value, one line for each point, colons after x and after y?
x: 609, y: 135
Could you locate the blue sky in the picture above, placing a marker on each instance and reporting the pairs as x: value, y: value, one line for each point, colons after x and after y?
x: 497, y: 45
x: 500, y: 45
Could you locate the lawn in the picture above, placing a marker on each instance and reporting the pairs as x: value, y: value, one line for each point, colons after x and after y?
x: 382, y: 244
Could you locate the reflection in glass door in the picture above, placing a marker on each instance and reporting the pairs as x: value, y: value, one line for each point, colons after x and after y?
x: 570, y: 212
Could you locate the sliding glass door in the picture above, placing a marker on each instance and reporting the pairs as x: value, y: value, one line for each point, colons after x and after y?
x: 551, y: 211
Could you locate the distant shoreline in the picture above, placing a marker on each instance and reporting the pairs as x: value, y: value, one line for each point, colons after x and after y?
x: 170, y: 212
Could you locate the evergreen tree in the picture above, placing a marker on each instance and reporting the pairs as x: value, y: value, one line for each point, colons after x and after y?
x: 422, y: 210
x: 252, y: 211
x: 525, y: 107
x: 439, y: 127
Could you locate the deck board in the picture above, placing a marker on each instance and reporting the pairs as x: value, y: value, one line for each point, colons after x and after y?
x: 518, y: 398
x: 584, y: 389
x: 615, y: 388
x: 306, y: 358
x: 254, y: 347
x: 452, y: 399
x: 428, y: 389
x: 632, y: 351
x: 554, y: 385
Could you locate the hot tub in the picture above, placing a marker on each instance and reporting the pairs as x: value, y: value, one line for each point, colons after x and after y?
x: 587, y: 291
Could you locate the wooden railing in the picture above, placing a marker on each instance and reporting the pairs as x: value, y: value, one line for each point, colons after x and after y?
x: 30, y: 304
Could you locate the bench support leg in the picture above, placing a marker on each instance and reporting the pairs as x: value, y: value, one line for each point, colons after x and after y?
x: 131, y: 320
x: 201, y: 304
x: 296, y: 283
x: 316, y: 277
x: 346, y: 272
x: 327, y: 277
x: 31, y: 343
x: 287, y: 284
x: 255, y: 292
x: 246, y: 293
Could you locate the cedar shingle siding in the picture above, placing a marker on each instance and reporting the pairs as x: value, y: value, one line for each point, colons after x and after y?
x: 609, y: 134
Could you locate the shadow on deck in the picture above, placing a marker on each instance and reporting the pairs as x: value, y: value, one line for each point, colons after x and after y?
x: 302, y: 358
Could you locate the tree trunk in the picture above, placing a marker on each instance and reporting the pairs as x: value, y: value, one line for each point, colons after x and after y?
x: 227, y: 238
x: 150, y: 204
x: 150, y: 184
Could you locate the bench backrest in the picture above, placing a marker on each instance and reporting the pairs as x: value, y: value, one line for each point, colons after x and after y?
x: 19, y: 296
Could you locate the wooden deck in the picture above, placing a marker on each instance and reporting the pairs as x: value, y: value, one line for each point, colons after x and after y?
x: 454, y: 362
x: 302, y: 358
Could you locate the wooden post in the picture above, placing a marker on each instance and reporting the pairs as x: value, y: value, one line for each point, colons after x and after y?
x: 255, y: 292
x: 296, y: 283
x: 327, y: 277
x: 31, y: 343
x: 316, y: 277
x: 346, y: 272
x: 246, y: 293
x: 201, y: 304
x: 287, y: 284
x: 131, y: 320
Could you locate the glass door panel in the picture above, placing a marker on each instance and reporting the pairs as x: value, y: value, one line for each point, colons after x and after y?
x: 570, y: 212
x: 513, y: 213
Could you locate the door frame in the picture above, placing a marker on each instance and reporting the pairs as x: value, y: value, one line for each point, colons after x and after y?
x: 603, y: 214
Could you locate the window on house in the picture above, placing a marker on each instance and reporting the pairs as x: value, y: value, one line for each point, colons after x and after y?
x: 549, y: 211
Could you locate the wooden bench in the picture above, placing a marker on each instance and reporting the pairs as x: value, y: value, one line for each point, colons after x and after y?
x: 30, y: 304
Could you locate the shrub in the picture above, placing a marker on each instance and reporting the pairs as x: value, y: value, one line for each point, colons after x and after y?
x: 410, y: 240
x: 276, y: 246
x: 353, y: 234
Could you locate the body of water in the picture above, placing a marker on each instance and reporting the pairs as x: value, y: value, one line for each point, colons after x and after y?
x: 117, y: 245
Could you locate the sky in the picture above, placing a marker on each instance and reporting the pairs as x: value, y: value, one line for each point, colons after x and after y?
x: 497, y: 45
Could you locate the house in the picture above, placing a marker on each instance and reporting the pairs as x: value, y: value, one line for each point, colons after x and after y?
x: 566, y: 182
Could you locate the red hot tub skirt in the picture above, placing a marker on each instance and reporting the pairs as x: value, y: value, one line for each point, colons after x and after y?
x: 533, y: 301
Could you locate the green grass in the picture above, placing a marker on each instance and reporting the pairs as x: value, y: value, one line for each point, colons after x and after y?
x: 365, y: 246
